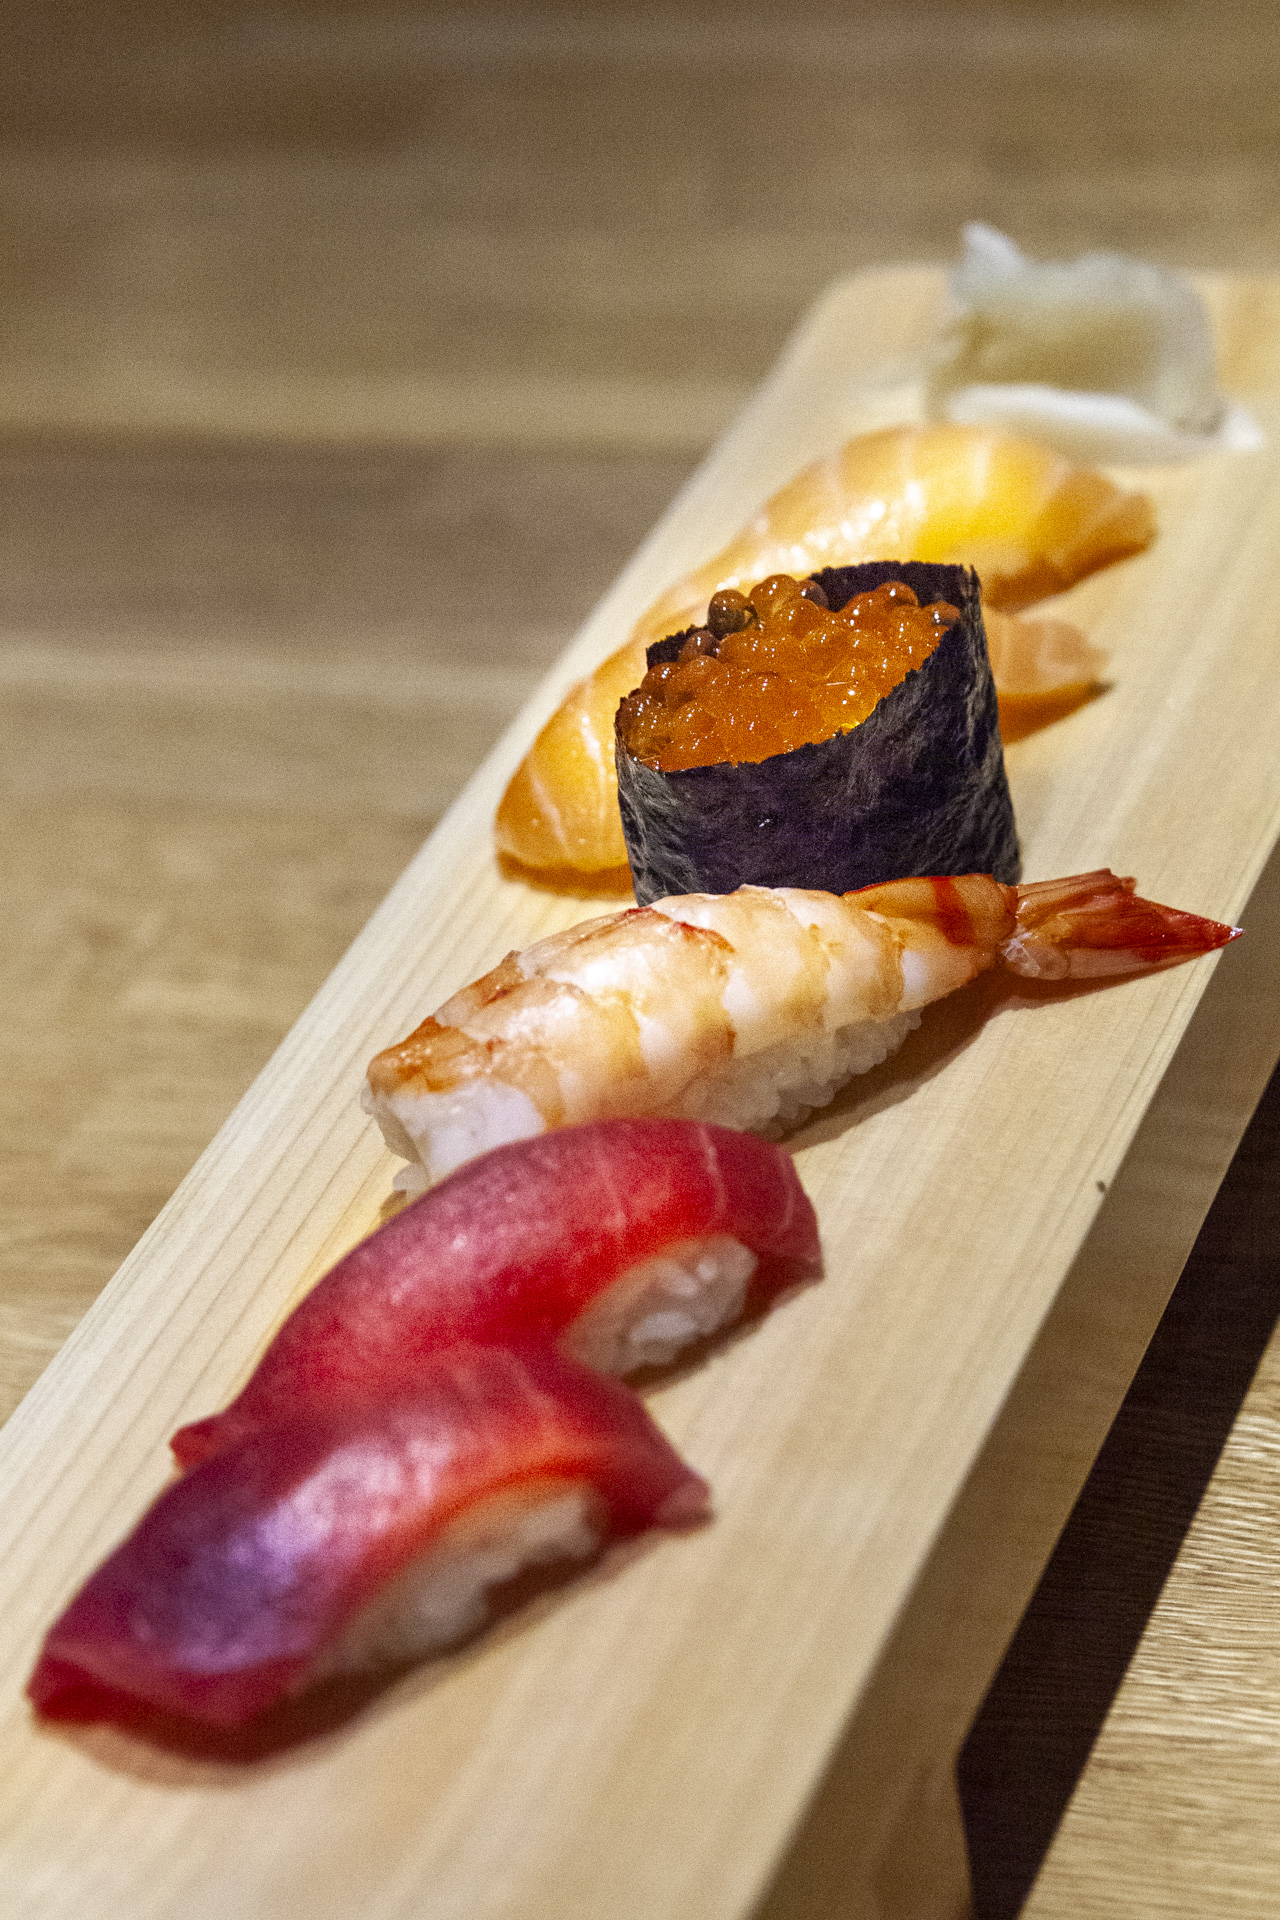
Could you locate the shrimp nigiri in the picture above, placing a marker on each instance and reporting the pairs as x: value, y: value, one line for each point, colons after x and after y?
x: 625, y: 1241
x: 360, y: 1536
x: 745, y: 1008
x: 1025, y: 518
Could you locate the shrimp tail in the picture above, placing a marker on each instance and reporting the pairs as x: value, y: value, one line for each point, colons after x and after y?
x: 1093, y: 925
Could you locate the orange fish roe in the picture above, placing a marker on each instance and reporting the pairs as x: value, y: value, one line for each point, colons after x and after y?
x: 776, y: 671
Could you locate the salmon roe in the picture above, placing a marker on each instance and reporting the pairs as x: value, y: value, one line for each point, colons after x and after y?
x: 776, y: 671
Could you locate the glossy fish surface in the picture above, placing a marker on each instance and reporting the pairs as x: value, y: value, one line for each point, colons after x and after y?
x: 514, y: 1246
x: 250, y: 1576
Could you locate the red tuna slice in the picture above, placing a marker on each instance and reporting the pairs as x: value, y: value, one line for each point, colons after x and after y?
x: 514, y: 1247
x: 238, y: 1585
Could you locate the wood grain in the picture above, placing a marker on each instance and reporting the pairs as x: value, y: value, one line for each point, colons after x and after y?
x: 1197, y: 1773
x: 876, y: 1839
x: 237, y: 686
x: 696, y: 1692
x: 532, y: 224
x: 1191, y: 1747
x: 546, y: 255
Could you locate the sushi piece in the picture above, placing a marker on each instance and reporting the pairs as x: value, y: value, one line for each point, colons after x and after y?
x: 361, y: 1537
x: 625, y: 1240
x: 1028, y: 650
x: 1028, y: 521
x: 831, y: 741
x: 1105, y: 357
x: 745, y: 1008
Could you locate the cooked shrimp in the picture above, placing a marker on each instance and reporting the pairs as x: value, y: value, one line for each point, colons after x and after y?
x: 1024, y: 517
x: 745, y: 1008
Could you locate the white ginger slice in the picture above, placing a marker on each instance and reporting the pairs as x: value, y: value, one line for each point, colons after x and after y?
x: 662, y: 1305
x: 1104, y: 357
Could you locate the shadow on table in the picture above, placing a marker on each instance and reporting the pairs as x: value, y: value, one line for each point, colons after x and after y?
x: 1045, y: 1707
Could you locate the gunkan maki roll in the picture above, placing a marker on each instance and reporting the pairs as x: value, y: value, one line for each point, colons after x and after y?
x: 833, y: 734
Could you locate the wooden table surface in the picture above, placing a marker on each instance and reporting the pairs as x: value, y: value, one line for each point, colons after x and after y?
x: 348, y: 353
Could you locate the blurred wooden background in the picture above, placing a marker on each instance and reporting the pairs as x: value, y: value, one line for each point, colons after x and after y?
x: 348, y: 351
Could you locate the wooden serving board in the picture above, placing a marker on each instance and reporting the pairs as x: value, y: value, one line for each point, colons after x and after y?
x: 643, y: 1741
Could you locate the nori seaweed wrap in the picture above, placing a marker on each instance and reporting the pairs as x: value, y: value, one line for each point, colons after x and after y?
x: 918, y: 787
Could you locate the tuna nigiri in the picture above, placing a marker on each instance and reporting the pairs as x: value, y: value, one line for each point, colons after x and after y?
x: 626, y: 1240
x: 1029, y: 521
x: 361, y: 1537
x: 742, y: 1008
